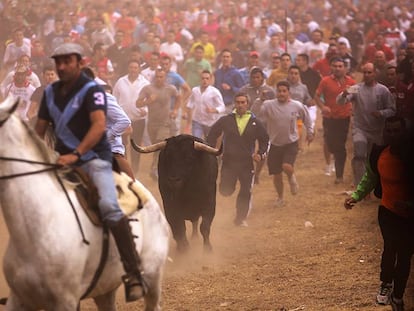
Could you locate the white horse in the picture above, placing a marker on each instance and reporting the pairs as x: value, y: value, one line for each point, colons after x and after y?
x: 47, y: 264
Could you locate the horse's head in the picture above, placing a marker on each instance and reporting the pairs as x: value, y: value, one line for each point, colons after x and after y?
x: 17, y: 137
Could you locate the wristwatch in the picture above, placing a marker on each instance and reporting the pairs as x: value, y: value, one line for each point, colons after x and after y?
x: 76, y: 153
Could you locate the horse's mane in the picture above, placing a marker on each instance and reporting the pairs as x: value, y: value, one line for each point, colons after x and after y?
x: 47, y: 153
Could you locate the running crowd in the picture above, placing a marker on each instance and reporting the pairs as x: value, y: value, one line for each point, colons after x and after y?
x: 255, y: 72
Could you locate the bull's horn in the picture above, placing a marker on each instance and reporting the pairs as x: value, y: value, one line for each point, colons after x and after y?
x: 150, y: 148
x: 207, y: 148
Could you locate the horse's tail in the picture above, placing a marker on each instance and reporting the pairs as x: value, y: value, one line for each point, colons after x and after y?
x: 3, y: 301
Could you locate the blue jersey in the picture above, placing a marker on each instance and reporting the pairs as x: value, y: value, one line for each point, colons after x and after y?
x: 78, y: 125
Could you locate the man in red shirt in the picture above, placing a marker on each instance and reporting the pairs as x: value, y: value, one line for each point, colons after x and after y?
x: 323, y: 66
x: 336, y: 117
x: 378, y: 45
x: 400, y: 92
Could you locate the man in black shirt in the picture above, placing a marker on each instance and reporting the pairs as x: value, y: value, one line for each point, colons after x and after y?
x: 76, y: 106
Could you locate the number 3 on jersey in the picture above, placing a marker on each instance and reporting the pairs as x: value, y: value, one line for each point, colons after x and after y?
x: 99, y: 98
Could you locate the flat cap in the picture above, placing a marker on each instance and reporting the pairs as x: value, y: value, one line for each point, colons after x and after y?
x: 67, y: 49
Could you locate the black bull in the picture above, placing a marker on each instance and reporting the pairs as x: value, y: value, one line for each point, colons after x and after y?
x: 187, y: 174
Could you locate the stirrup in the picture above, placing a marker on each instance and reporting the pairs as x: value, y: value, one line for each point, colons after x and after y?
x: 134, y: 287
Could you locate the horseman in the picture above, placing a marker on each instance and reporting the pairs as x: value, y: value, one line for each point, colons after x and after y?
x: 76, y: 107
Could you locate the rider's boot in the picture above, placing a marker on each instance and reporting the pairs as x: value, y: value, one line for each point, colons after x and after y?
x: 133, y: 282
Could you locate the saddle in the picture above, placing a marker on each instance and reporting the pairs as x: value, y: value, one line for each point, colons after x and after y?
x: 131, y: 194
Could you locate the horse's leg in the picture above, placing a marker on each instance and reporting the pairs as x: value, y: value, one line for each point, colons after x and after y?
x: 13, y: 304
x: 69, y: 304
x: 106, y: 302
x: 153, y: 295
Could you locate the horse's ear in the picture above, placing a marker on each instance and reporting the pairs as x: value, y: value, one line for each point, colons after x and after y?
x: 14, y: 107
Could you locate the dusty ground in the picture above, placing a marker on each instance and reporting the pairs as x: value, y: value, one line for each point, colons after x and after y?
x: 277, y: 262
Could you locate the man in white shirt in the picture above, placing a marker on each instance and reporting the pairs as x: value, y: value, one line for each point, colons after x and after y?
x: 20, y: 87
x: 316, y: 49
x: 32, y: 77
x: 14, y: 50
x: 154, y: 64
x: 294, y: 46
x: 261, y: 42
x: 102, y: 34
x: 204, y: 107
x: 173, y: 50
x: 126, y: 91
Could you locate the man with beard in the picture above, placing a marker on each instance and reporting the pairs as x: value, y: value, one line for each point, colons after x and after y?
x: 76, y: 106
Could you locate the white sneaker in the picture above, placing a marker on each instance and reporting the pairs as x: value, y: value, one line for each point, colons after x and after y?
x: 294, y: 187
x: 384, y: 293
x: 332, y: 167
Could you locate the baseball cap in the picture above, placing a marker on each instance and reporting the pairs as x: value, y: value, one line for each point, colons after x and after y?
x: 254, y: 54
x: 67, y: 49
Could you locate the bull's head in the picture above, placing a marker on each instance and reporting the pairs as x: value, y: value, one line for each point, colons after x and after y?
x: 161, y: 145
x: 179, y: 159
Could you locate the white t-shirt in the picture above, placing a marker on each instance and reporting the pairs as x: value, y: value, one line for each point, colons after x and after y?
x: 126, y: 92
x: 25, y: 93
x: 315, y: 51
x: 175, y: 51
x: 199, y: 102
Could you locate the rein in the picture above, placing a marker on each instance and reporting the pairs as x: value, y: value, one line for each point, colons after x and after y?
x: 50, y: 167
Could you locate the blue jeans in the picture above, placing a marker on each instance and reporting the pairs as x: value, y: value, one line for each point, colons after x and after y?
x: 199, y: 130
x: 100, y: 171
